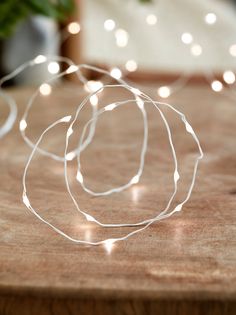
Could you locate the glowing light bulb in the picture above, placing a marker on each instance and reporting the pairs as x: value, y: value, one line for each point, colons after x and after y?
x: 109, y: 245
x: 196, y: 50
x: 151, y: 19
x: 72, y: 69
x: 23, y: 125
x: 176, y: 176
x: 229, y: 77
x: 93, y: 86
x: 110, y: 107
x: 140, y: 102
x: 189, y: 128
x: 217, y: 86
x: 122, y: 38
x: 53, y: 67
x: 136, y: 91
x: 131, y: 65
x: 66, y: 119
x: 210, y: 18
x: 69, y: 132
x: 187, y: 38
x: 164, y: 91
x: 94, y: 100
x: 26, y: 200
x: 109, y: 25
x: 232, y: 50
x: 73, y: 28
x: 135, y: 179
x: 178, y: 208
x: 45, y: 89
x: 116, y: 73
x: 79, y: 177
x: 89, y: 218
x: 70, y: 156
x: 40, y: 59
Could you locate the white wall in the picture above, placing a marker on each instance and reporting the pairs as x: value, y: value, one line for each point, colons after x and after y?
x: 159, y: 47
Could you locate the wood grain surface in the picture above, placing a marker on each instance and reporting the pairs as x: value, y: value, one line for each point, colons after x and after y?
x: 183, y: 265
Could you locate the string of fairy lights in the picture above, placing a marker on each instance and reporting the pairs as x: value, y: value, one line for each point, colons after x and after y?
x: 94, y: 88
x: 140, y: 99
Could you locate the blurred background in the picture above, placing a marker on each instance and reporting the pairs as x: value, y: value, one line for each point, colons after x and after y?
x: 142, y: 39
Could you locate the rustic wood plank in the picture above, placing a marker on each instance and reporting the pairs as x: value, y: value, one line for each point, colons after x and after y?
x: 181, y: 265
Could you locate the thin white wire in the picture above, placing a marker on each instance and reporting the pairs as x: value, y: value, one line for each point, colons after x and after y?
x: 161, y: 216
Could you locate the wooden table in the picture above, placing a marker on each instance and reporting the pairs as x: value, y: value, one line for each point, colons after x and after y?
x: 183, y: 265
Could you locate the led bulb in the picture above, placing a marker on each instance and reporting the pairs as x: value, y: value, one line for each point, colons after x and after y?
x: 93, y: 86
x: 109, y: 245
x: 26, y: 200
x: 53, y: 67
x: 23, y: 125
x: 110, y: 106
x: 164, y: 91
x: 136, y: 91
x: 217, y: 86
x: 232, y: 50
x: 45, y: 89
x: 116, y: 73
x: 72, y: 69
x: 94, y: 100
x: 66, y: 119
x: 189, y: 128
x: 187, y: 38
x: 135, y: 179
x: 69, y: 132
x: 79, y: 177
x: 140, y: 102
x: 122, y: 38
x: 176, y: 176
x: 73, y: 28
x: 196, y: 50
x: 40, y: 59
x: 70, y: 156
x: 131, y: 65
x: 151, y: 19
x: 229, y: 77
x: 89, y: 218
x: 109, y: 25
x: 210, y: 18
x: 178, y: 208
